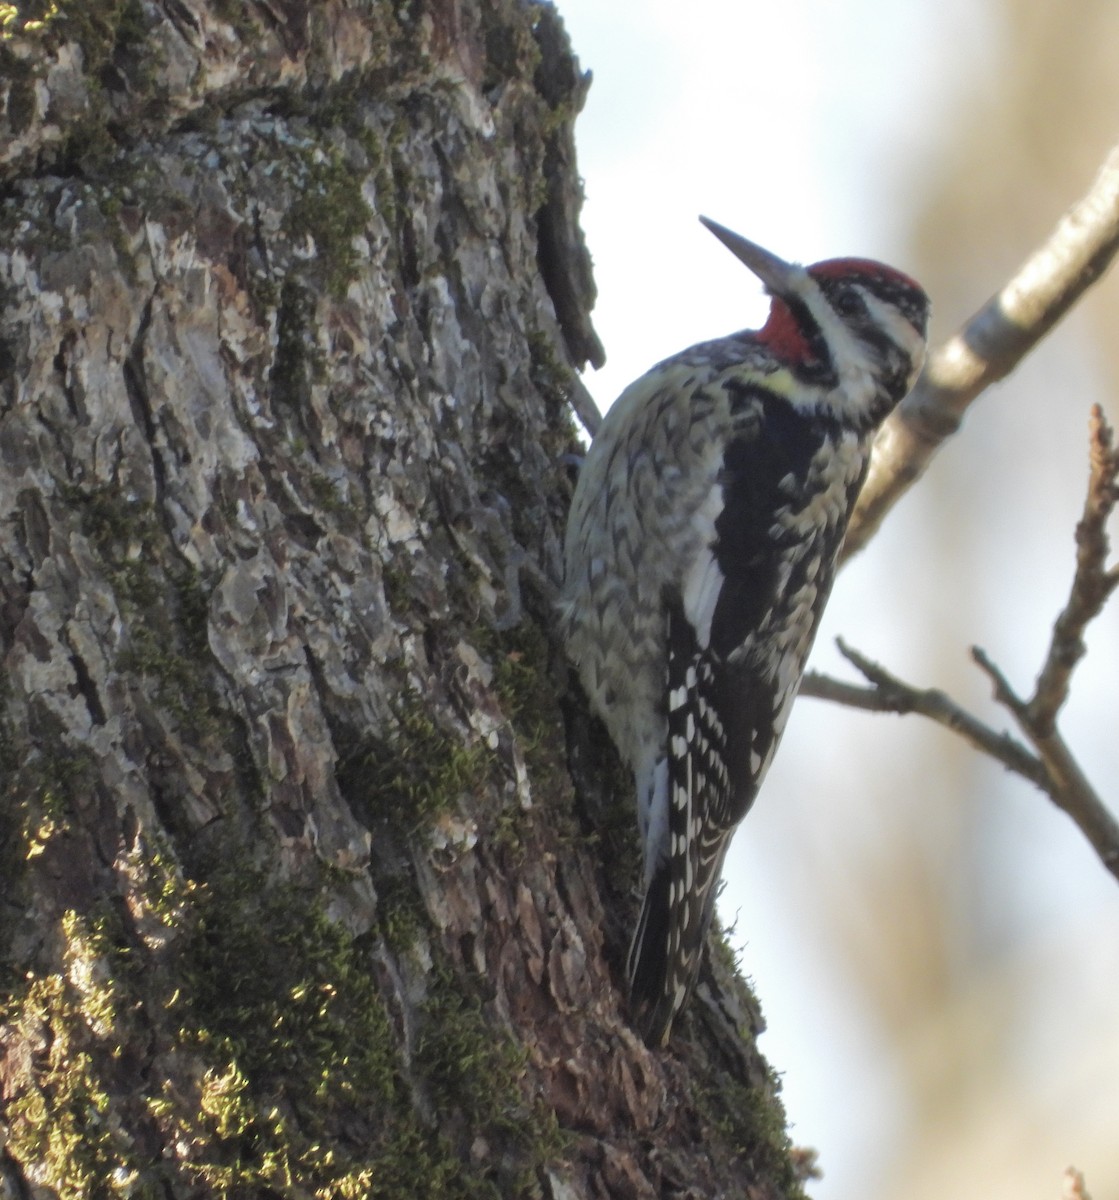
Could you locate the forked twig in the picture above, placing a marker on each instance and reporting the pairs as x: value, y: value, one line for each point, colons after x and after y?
x: 1051, y: 765
x: 1093, y: 582
x: 890, y: 694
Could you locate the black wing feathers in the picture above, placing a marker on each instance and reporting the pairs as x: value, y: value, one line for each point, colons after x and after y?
x: 722, y: 715
x: 680, y: 899
x: 746, y: 549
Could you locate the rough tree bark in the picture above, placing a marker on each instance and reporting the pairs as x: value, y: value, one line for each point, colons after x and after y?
x: 315, y: 878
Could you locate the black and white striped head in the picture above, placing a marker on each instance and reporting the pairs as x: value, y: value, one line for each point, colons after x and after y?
x: 851, y: 326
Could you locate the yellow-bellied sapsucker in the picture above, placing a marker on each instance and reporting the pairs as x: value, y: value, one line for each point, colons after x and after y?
x: 700, y: 550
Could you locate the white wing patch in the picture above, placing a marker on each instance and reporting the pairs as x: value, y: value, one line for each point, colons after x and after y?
x: 704, y: 579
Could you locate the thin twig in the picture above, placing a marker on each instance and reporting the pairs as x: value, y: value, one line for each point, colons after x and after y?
x: 989, y: 347
x: 1054, y: 769
x: 1091, y: 585
x: 850, y: 695
x: 584, y: 407
x: 888, y: 693
x: 1064, y: 782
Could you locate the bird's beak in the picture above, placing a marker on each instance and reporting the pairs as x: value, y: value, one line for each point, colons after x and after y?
x: 778, y: 276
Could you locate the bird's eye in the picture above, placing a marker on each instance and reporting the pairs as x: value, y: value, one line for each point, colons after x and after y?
x: 848, y: 302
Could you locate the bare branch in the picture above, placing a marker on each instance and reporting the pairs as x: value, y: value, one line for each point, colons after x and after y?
x: 989, y: 347
x: 1004, y: 693
x: 888, y: 693
x: 1092, y: 583
x: 850, y: 695
x: 1064, y: 781
x: 1054, y: 769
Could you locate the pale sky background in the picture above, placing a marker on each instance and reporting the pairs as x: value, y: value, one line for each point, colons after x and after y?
x: 810, y: 127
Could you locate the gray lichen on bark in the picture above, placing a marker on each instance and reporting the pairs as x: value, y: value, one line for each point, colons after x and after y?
x: 312, y: 865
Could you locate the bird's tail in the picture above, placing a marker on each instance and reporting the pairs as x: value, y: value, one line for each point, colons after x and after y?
x: 667, y: 948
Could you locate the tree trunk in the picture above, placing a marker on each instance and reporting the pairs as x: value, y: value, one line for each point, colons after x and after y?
x: 315, y: 877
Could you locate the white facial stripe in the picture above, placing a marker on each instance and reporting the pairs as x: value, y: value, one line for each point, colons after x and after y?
x: 846, y: 348
x: 855, y: 362
x: 898, y: 328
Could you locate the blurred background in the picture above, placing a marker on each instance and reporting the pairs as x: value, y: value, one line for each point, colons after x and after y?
x: 935, y: 946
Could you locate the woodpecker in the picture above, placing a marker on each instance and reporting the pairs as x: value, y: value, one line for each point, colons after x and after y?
x: 700, y: 550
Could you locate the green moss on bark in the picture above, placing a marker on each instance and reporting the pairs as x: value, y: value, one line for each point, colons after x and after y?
x: 299, y: 1079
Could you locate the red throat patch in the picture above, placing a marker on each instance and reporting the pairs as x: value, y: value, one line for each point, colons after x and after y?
x: 783, y: 335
